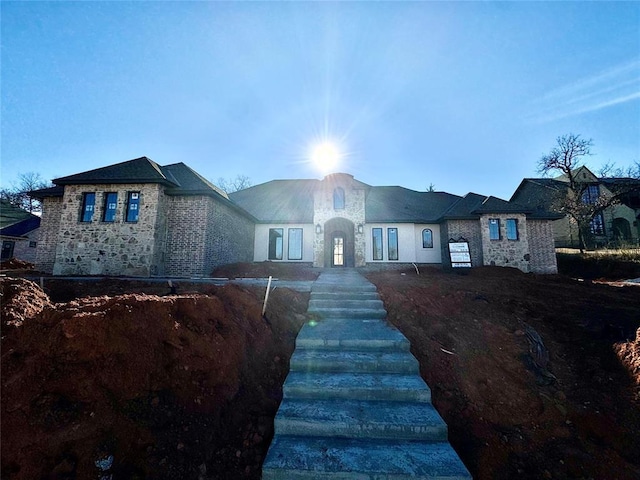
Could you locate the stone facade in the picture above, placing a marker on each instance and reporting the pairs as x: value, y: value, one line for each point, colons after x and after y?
x: 467, y: 229
x: 504, y: 252
x: 111, y: 248
x: 353, y: 212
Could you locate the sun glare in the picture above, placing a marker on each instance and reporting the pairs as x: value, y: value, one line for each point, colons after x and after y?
x: 325, y: 156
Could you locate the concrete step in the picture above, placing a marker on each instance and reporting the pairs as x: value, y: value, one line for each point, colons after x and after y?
x: 356, y: 386
x: 354, y: 361
x: 357, y: 304
x: 337, y: 287
x: 351, y: 334
x: 361, y: 419
x: 345, y: 459
x: 348, y: 312
x: 344, y: 295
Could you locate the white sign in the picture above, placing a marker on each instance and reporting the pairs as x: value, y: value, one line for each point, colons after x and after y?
x: 459, y: 254
x: 459, y: 247
x: 460, y: 257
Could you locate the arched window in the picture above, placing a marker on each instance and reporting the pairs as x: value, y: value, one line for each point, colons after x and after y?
x: 427, y: 238
x: 338, y: 199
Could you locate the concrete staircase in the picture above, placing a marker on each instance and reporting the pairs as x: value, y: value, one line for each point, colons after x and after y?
x: 354, y: 404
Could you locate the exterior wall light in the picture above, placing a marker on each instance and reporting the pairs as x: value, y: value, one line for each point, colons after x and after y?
x: 360, y: 228
x: 318, y: 228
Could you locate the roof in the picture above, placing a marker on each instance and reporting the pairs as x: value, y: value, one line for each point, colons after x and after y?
x: 278, y: 201
x: 400, y: 205
x: 15, y: 221
x: 189, y: 182
x: 138, y: 170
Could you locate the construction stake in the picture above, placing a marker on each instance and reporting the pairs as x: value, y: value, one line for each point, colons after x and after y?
x: 266, y: 296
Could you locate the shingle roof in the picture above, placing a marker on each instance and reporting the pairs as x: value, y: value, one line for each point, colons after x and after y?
x: 278, y: 201
x: 189, y: 182
x: 399, y: 204
x: 138, y: 170
x: 15, y: 221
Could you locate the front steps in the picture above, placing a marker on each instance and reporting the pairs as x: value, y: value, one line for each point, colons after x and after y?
x: 354, y: 405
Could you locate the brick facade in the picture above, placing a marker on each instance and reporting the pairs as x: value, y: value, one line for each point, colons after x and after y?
x: 541, y: 249
x: 48, y: 234
x: 467, y: 229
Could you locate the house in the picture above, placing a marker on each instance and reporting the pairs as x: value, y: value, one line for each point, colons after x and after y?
x: 18, y: 232
x: 618, y: 224
x: 140, y: 218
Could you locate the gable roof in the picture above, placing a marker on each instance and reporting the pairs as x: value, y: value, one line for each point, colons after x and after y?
x: 15, y: 221
x: 189, y: 182
x: 138, y: 170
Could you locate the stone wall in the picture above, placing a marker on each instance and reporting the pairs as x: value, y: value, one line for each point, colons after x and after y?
x: 109, y: 248
x: 48, y: 234
x: 354, y: 211
x: 504, y: 252
x: 25, y: 248
x: 467, y: 229
x: 541, y: 247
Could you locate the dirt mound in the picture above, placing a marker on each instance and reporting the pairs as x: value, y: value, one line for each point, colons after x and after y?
x: 281, y: 271
x: 15, y: 264
x: 523, y: 371
x: 145, y: 386
x: 629, y: 354
x: 21, y: 300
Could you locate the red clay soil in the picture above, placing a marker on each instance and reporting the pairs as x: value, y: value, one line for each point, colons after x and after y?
x: 182, y: 386
x: 536, y: 376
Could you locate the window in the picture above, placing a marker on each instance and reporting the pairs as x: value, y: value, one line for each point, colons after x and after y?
x: 494, y: 229
x: 377, y: 243
x: 512, y: 228
x: 295, y: 244
x: 590, y: 194
x: 597, y: 224
x: 338, y: 199
x: 275, y: 243
x: 133, y: 204
x: 110, y: 204
x: 392, y: 237
x: 88, y: 205
x: 427, y: 238
x: 33, y: 244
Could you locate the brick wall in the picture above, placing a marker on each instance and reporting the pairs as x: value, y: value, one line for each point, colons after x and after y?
x: 203, y: 233
x: 543, y: 253
x: 467, y: 229
x: 48, y: 234
x: 109, y: 248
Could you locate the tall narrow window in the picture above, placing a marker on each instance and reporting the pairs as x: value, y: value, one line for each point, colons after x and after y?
x: 590, y: 194
x: 392, y: 237
x: 376, y: 234
x: 88, y: 206
x: 295, y: 244
x: 427, y: 238
x: 597, y: 224
x: 133, y: 206
x: 338, y: 199
x: 494, y: 229
x: 512, y: 228
x: 110, y: 204
x: 275, y: 243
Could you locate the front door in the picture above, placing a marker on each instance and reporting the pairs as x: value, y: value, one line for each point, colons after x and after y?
x: 338, y: 251
x: 7, y: 249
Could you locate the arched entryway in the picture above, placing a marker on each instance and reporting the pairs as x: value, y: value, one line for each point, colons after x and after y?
x: 339, y: 243
x: 621, y: 230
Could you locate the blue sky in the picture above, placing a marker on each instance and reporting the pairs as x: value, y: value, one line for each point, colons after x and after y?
x: 465, y: 96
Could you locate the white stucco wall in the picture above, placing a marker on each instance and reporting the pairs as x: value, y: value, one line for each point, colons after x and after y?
x: 261, y: 243
x: 409, y: 243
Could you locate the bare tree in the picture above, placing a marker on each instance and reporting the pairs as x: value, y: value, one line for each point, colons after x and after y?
x: 583, y: 201
x: 240, y: 182
x: 18, y: 194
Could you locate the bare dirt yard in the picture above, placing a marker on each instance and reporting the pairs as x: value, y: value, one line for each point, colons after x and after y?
x: 536, y: 376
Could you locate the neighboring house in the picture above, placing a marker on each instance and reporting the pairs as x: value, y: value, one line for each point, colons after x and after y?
x: 617, y: 224
x: 18, y: 232
x: 138, y: 218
